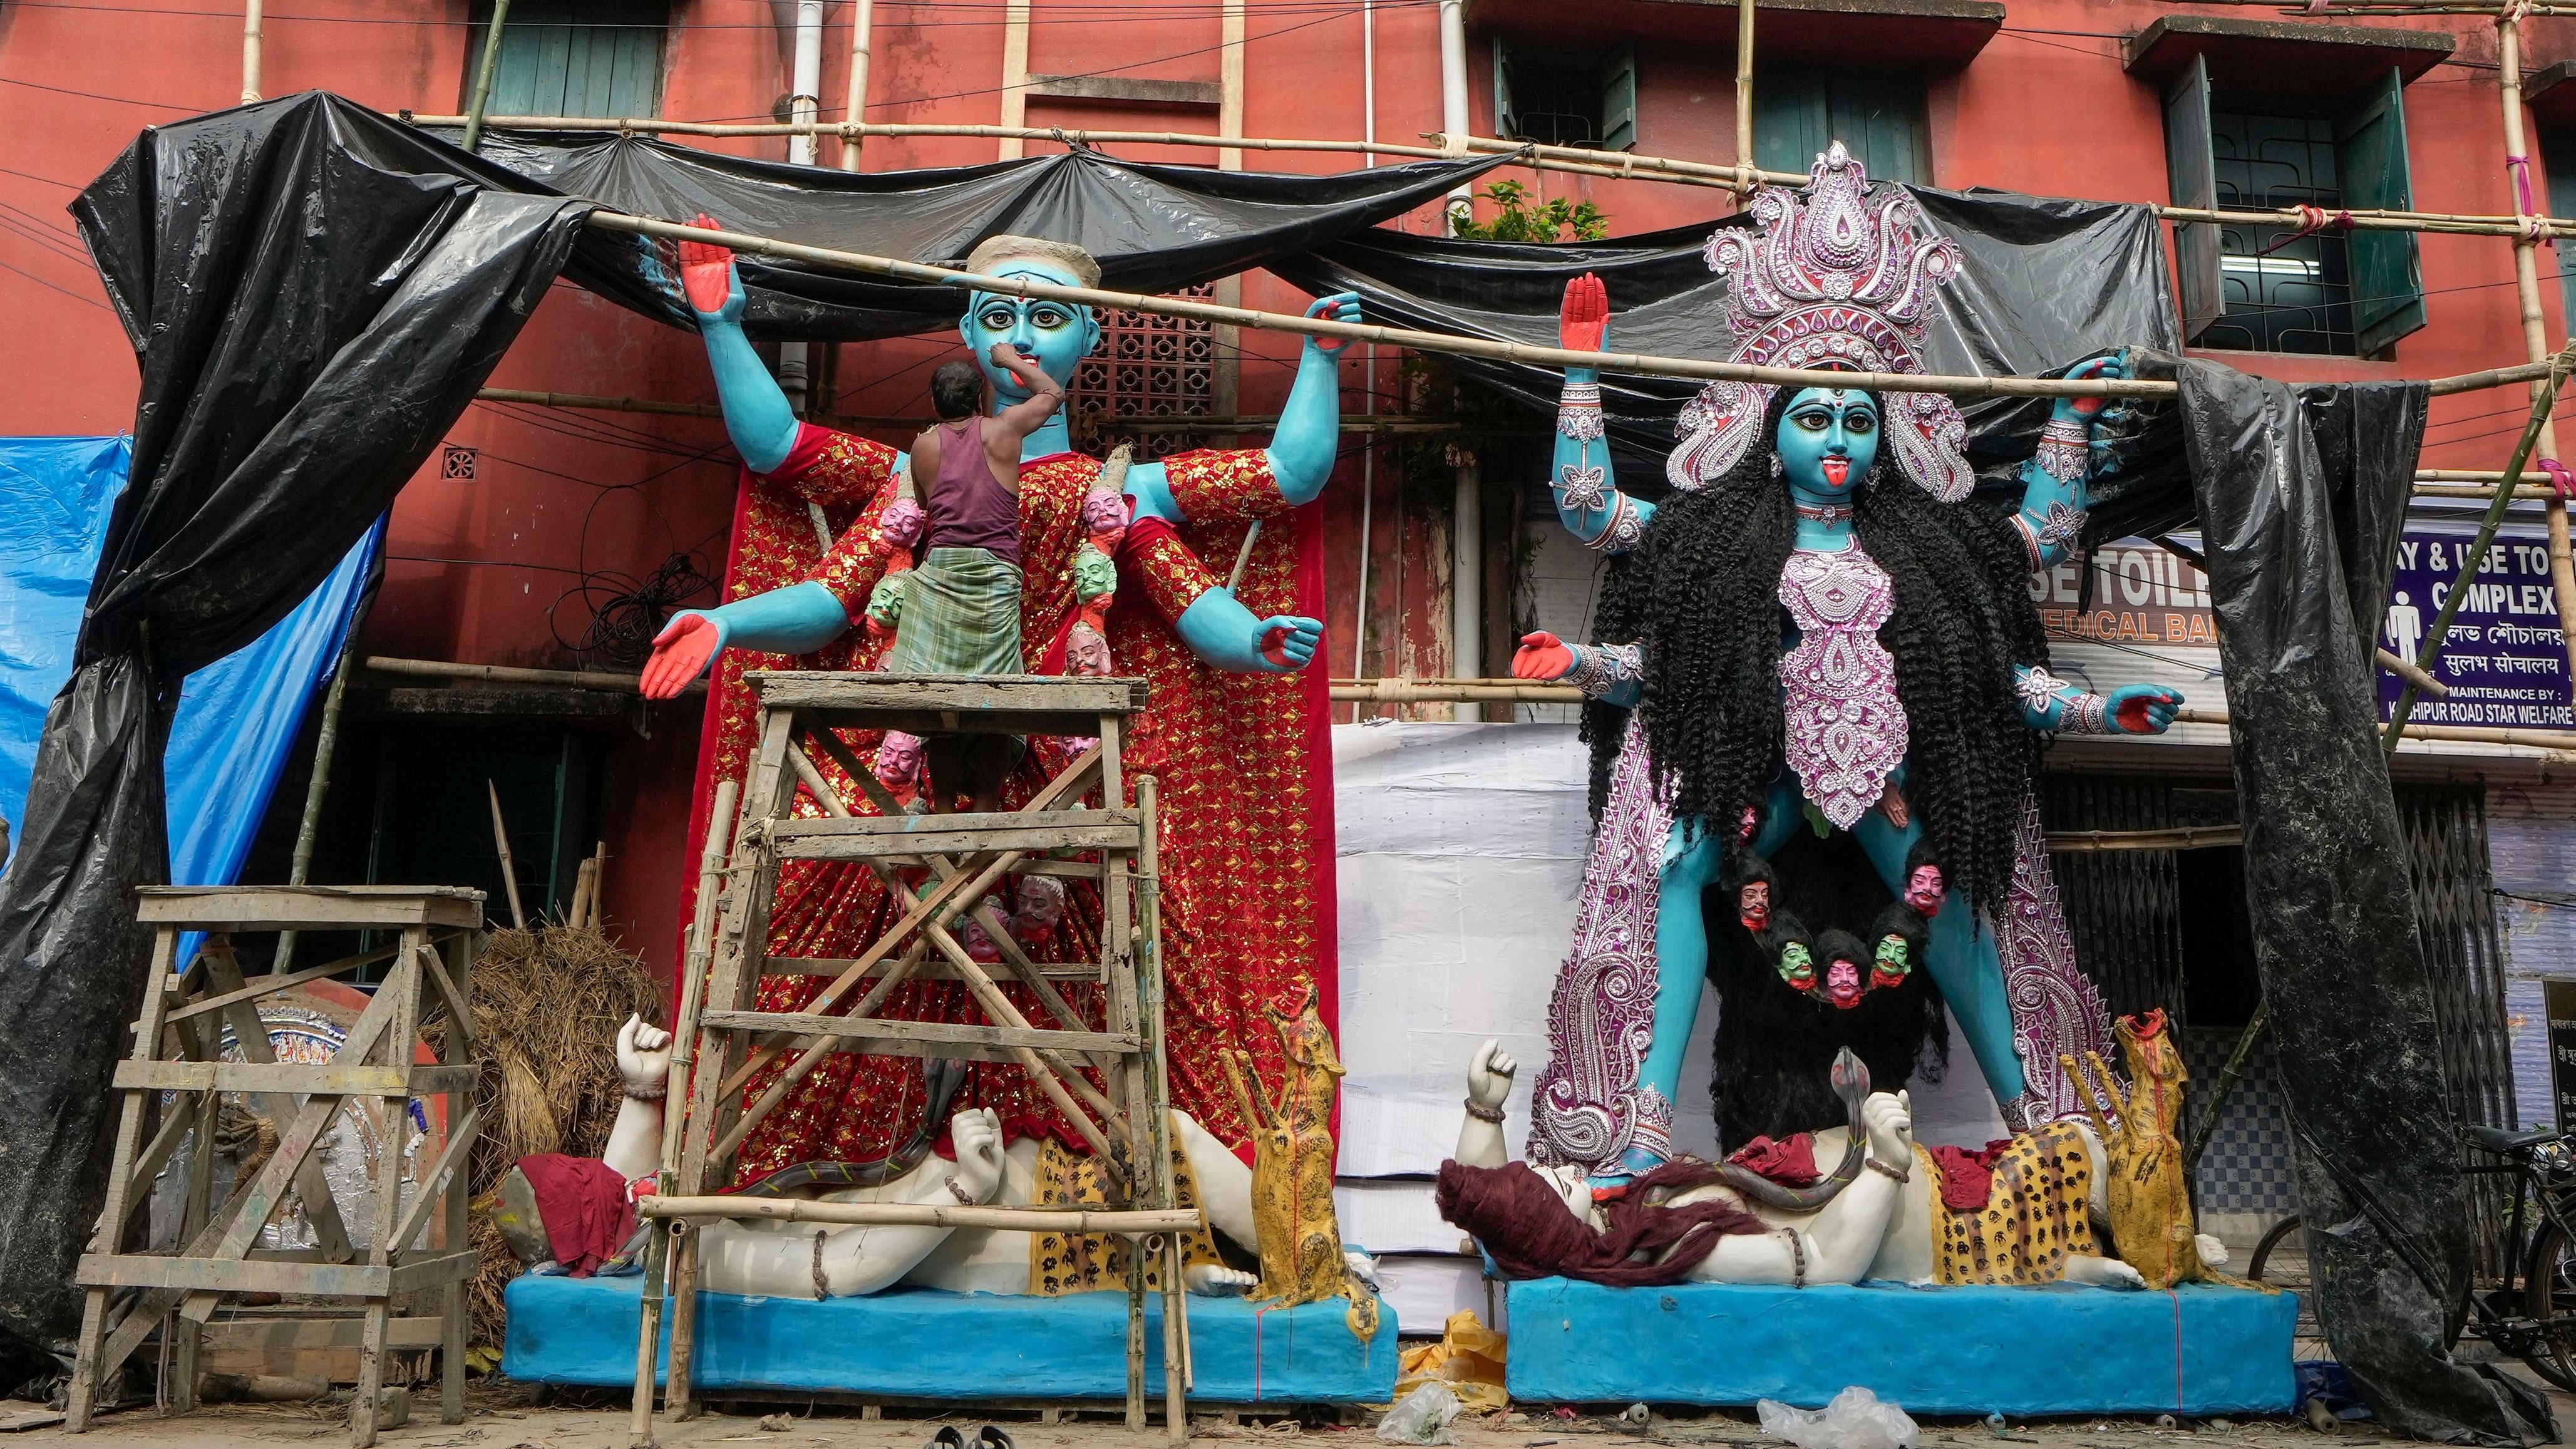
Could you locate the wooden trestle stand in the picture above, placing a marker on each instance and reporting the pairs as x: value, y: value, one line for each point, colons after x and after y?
x: 417, y: 1246
x: 722, y: 1042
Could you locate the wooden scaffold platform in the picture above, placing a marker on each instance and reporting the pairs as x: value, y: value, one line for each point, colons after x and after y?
x: 722, y: 1042
x: 413, y: 1248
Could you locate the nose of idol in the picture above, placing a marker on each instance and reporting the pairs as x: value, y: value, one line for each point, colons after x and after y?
x: 1827, y: 439
x: 1058, y: 334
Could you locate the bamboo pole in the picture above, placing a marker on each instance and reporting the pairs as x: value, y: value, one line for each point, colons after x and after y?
x: 1747, y: 169
x: 308, y: 827
x: 2535, y: 334
x: 2544, y: 396
x: 1566, y: 159
x: 477, y: 108
x: 254, y: 36
x: 1552, y: 357
x: 509, y: 871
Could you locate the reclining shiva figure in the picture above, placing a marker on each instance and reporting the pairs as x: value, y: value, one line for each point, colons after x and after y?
x: 1816, y: 641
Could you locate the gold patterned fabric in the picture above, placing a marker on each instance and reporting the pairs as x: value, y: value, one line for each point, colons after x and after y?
x: 2037, y: 1212
x: 1061, y: 1263
x: 1235, y: 486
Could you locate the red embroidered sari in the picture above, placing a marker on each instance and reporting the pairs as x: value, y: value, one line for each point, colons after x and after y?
x: 1242, y: 762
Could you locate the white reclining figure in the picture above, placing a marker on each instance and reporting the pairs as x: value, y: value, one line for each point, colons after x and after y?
x: 761, y: 1258
x: 1876, y: 1228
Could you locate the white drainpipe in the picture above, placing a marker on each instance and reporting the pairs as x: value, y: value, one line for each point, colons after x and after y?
x: 804, y: 108
x: 1453, y: 88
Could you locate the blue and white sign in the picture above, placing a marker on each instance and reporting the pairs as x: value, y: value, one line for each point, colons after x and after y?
x: 2505, y: 658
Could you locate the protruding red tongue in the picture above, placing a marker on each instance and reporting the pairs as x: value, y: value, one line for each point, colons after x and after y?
x: 1836, y: 470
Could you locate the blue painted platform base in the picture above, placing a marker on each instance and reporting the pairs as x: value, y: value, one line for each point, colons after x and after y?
x: 923, y: 1344
x: 2058, y: 1350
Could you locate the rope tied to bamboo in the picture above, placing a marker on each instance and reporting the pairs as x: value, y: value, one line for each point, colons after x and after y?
x: 2312, y: 219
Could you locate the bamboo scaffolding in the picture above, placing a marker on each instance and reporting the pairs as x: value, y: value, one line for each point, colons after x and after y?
x: 1128, y: 1221
x: 1522, y: 691
x: 1572, y: 160
x: 2535, y: 334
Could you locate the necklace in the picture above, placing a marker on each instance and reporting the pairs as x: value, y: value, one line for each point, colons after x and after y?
x: 1824, y: 512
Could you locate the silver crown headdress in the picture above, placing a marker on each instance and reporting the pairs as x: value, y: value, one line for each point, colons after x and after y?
x: 1839, y: 278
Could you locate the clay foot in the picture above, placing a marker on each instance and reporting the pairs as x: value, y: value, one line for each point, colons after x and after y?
x: 1634, y: 1163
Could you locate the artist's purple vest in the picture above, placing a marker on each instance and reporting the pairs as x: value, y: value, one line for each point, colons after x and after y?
x: 968, y: 506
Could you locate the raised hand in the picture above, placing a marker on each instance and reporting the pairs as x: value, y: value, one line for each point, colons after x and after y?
x: 1341, y: 307
x: 1583, y: 324
x: 1542, y: 657
x: 1888, y: 1119
x: 643, y: 1056
x: 976, y: 1133
x: 1288, y: 641
x: 1489, y: 1076
x: 2107, y: 368
x: 680, y: 654
x: 2143, y: 709
x: 707, y: 276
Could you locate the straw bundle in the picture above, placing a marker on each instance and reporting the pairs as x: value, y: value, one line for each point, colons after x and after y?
x: 547, y: 1006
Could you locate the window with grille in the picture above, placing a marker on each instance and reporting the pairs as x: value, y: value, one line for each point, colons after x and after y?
x: 1877, y: 115
x: 600, y: 58
x: 1560, y: 97
x: 2267, y: 288
x: 1146, y: 366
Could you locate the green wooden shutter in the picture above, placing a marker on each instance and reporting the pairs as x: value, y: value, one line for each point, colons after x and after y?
x: 2558, y: 158
x: 1507, y: 117
x: 598, y: 58
x: 2191, y: 167
x: 1792, y: 120
x: 1878, y: 118
x: 2387, y: 279
x: 1619, y: 99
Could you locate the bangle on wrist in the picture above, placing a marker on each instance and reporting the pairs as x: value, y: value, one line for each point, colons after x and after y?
x: 958, y: 1191
x: 1484, y: 1114
x: 653, y: 1093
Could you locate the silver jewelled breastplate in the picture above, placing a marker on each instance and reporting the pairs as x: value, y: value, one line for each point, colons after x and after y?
x: 1844, y: 730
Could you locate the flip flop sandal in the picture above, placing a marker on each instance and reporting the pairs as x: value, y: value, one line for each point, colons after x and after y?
x: 946, y: 1438
x: 992, y: 1437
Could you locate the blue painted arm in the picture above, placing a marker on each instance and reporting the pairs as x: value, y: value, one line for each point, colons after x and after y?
x: 798, y: 619
x: 1310, y: 422
x: 1588, y: 500
x: 756, y: 414
x: 1149, y: 488
x: 2050, y: 703
x: 2056, y: 491
x: 1225, y: 635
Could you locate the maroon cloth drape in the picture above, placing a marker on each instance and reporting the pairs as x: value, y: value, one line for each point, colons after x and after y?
x: 1530, y: 1233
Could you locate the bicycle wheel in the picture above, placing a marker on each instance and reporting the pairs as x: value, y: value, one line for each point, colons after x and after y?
x: 2272, y: 1240
x: 2548, y: 1292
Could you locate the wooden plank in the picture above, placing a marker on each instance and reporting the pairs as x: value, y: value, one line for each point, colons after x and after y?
x: 936, y: 1215
x: 422, y: 1273
x: 909, y: 832
x: 235, y: 1275
x: 949, y: 1033
x: 250, y: 1038
x: 257, y: 986
x: 834, y: 692
x: 926, y: 971
x: 98, y: 1356
x: 430, y: 1190
x: 337, y: 1331
x: 805, y: 842
x: 414, y: 1080
x: 269, y: 908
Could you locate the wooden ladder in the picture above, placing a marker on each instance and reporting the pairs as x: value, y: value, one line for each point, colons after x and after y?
x: 417, y: 1246
x: 722, y: 1042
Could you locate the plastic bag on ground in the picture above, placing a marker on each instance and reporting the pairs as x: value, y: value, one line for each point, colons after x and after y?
x: 1421, y: 1417
x: 1468, y: 1358
x: 1854, y: 1420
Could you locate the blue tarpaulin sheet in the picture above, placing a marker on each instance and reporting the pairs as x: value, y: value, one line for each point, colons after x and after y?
x: 237, y: 717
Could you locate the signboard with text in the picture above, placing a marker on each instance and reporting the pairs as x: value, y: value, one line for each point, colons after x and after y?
x: 2142, y: 594
x: 2505, y: 658
x: 2558, y: 1001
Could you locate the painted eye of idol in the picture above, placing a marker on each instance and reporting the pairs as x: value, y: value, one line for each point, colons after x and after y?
x: 1858, y: 417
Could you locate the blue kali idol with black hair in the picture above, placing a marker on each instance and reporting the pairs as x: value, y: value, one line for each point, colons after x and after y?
x: 1821, y: 687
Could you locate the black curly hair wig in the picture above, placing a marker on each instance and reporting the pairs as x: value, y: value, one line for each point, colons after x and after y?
x: 1701, y: 594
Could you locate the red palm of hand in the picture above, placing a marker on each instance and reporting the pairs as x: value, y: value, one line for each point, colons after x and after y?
x: 1543, y: 657
x: 680, y: 654
x: 1585, y: 318
x: 706, y: 270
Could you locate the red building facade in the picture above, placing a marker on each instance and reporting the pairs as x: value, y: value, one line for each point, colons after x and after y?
x: 528, y: 539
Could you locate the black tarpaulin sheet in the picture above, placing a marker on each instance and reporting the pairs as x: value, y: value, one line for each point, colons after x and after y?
x: 2045, y: 284
x: 314, y: 292
x: 1154, y: 228
x: 2300, y: 494
x: 310, y: 307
